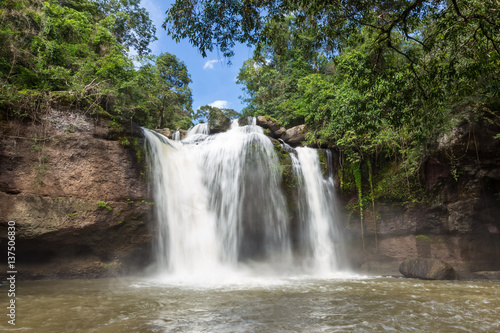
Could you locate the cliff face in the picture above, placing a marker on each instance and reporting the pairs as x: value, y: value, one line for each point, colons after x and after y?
x: 75, y: 190
x: 460, y: 225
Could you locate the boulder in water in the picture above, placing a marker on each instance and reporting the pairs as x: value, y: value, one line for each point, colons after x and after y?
x: 274, y: 126
x: 427, y: 269
x: 165, y: 131
x: 219, y: 124
x: 295, y: 135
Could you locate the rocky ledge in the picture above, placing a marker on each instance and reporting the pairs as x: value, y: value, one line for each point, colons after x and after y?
x: 293, y: 136
x: 459, y: 225
x: 76, y: 191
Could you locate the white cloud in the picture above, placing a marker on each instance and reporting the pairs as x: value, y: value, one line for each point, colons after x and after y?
x: 220, y: 104
x: 210, y: 64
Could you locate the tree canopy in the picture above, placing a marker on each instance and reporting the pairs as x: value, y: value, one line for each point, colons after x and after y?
x: 371, y: 78
x: 76, y: 54
x: 207, y: 113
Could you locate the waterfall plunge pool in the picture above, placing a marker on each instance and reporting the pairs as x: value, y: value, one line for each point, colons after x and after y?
x: 250, y: 304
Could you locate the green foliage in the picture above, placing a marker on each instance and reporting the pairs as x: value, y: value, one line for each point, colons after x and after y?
x: 105, y: 205
x: 271, y: 77
x: 207, y: 113
x: 73, y: 54
x: 131, y: 26
x: 378, y: 88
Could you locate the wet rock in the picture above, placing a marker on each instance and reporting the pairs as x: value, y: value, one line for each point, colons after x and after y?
x: 274, y: 126
x: 295, y: 135
x: 486, y: 275
x: 165, y: 131
x: 170, y: 133
x: 219, y: 124
x: 244, y: 121
x: 183, y: 133
x: 427, y: 269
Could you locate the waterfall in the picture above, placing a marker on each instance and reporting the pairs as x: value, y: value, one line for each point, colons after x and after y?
x: 186, y: 240
x: 217, y: 199
x: 320, y: 241
x: 220, y: 205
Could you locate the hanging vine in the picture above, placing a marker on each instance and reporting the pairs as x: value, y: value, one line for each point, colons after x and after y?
x: 370, y: 180
x: 357, y: 177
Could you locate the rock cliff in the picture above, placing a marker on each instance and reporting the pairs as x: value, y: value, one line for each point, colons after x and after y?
x: 458, y: 225
x: 76, y: 190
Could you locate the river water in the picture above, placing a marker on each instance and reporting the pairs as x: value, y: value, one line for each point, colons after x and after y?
x: 336, y: 303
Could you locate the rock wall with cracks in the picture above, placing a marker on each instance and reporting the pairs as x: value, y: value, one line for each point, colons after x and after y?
x: 459, y: 225
x: 76, y: 189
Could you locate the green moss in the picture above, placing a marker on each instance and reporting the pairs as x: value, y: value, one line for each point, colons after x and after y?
x: 424, y: 238
x: 124, y: 141
x: 323, y: 161
x: 102, y: 204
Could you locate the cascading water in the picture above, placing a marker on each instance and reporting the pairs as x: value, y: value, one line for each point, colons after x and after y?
x: 219, y: 203
x: 320, y: 241
x: 218, y: 200
x: 186, y: 239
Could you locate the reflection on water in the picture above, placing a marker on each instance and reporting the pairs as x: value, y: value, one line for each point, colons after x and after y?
x: 333, y: 304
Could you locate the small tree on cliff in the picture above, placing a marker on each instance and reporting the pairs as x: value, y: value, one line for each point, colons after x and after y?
x: 166, y: 84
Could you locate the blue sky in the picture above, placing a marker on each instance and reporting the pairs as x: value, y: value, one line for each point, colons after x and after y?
x: 214, y: 82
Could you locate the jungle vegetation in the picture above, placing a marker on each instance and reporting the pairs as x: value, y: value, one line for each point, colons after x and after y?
x: 377, y: 80
x: 89, y: 55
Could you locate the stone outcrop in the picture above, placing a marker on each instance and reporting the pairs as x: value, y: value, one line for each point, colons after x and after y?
x: 219, y: 124
x: 274, y: 127
x: 165, y: 132
x: 170, y: 133
x: 295, y: 135
x: 459, y: 225
x: 427, y: 269
x: 75, y: 191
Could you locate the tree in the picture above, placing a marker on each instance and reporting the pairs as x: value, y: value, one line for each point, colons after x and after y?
x: 270, y: 78
x: 132, y: 26
x: 65, y: 53
x: 207, y: 113
x: 210, y: 24
x: 164, y: 80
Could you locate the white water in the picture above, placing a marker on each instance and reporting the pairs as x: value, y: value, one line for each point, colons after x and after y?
x: 221, y: 210
x: 318, y: 212
x: 186, y: 239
